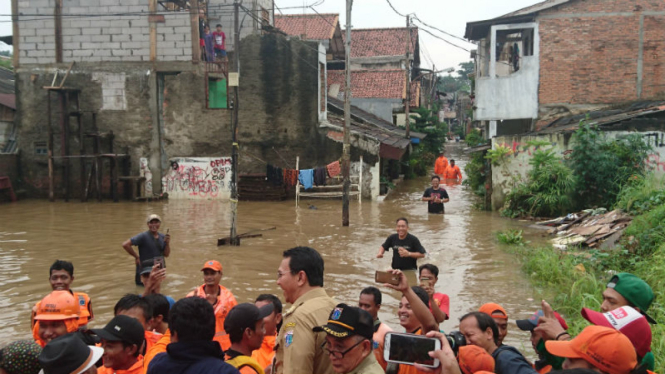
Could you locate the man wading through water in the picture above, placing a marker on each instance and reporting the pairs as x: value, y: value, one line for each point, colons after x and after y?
x: 151, y: 244
x: 435, y: 197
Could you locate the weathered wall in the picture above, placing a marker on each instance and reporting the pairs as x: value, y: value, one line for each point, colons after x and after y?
x: 198, y: 178
x: 9, y: 167
x: 599, y: 51
x: 278, y: 112
x: 514, y: 170
x: 382, y: 108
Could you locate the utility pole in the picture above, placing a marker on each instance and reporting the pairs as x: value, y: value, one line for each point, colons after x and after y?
x: 346, y: 157
x: 234, y: 126
x: 407, y: 97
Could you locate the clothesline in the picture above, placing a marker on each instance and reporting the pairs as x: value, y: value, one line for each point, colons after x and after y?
x: 307, y: 177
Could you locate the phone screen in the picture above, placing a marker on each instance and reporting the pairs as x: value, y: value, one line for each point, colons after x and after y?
x: 408, y: 348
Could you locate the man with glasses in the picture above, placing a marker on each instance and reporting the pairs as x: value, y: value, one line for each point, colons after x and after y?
x: 298, y: 348
x: 348, y: 342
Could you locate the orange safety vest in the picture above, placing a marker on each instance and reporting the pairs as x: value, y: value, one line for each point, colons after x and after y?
x: 137, y: 368
x: 225, y: 302
x: 266, y: 353
x: 157, y: 348
x: 453, y: 172
x: 379, y: 340
x: 440, y: 165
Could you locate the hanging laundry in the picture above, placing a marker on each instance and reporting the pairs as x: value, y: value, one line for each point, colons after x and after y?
x: 274, y: 175
x: 306, y: 178
x: 320, y: 175
x: 290, y: 177
x: 334, y: 169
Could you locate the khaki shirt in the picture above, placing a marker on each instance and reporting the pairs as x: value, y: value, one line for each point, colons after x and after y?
x: 298, y: 348
x: 368, y: 366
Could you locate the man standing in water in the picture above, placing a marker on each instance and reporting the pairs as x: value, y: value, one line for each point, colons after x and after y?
x: 151, y: 244
x: 435, y: 197
x: 406, y: 247
x: 441, y: 164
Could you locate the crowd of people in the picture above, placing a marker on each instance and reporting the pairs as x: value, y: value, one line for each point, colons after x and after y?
x: 208, y: 331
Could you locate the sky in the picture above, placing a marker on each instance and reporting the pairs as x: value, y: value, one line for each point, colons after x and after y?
x: 448, y: 15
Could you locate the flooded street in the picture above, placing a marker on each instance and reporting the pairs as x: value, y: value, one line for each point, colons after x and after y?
x: 473, y: 269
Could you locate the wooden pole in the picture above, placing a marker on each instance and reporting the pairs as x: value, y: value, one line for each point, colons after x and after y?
x: 58, y: 31
x: 407, y: 96
x: 234, y: 126
x: 152, y: 8
x: 51, y: 195
x: 16, y: 38
x: 64, y: 121
x: 346, y: 154
x: 194, y: 15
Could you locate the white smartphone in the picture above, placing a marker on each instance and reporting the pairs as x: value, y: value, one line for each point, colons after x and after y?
x: 410, y: 349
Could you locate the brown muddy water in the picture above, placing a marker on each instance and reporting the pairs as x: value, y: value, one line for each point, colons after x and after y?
x: 473, y: 269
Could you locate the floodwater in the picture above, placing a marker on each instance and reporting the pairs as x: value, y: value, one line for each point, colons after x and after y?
x: 473, y: 269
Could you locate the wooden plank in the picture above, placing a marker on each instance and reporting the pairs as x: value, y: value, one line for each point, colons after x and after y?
x: 51, y: 195
x: 15, y: 32
x: 62, y: 83
x: 58, y: 30
x: 194, y: 18
x: 152, y: 7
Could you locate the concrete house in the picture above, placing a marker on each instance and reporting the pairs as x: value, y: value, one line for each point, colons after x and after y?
x: 565, y: 57
x: 126, y: 97
x: 322, y: 28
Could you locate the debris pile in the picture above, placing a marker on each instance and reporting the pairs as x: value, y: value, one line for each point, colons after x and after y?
x: 589, y: 228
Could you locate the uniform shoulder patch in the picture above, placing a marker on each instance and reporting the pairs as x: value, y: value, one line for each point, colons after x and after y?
x: 288, y: 339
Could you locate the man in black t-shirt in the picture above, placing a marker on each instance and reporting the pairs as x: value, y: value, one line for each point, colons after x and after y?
x: 406, y: 247
x: 435, y: 197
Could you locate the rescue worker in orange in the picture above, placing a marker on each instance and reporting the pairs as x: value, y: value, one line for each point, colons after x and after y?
x: 453, y: 173
x: 245, y: 326
x: 61, y: 276
x: 122, y: 340
x: 159, y: 326
x: 440, y: 165
x: 370, y: 301
x: 272, y: 324
x: 221, y: 299
x: 58, y: 315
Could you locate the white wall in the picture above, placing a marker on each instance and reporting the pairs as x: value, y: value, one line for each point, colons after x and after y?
x: 199, y: 178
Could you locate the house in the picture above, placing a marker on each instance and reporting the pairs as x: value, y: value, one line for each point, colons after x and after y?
x: 380, y: 92
x: 7, y: 111
x: 565, y: 57
x: 139, y: 102
x: 322, y: 28
x: 385, y: 48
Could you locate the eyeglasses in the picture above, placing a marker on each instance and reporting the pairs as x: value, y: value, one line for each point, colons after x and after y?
x: 338, y: 354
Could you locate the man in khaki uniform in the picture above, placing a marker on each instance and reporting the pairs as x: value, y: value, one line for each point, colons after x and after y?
x: 299, y: 349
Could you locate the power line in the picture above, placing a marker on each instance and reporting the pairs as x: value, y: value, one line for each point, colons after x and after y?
x: 439, y: 30
x: 395, y: 10
x: 440, y: 38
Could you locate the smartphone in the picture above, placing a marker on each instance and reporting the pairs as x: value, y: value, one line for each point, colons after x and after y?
x: 159, y: 260
x: 385, y: 277
x: 410, y: 349
x: 167, y: 231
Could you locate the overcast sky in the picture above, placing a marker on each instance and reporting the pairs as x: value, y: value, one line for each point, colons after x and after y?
x: 448, y: 15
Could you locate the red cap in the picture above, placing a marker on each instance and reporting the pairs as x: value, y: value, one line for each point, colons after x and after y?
x: 603, y: 347
x: 473, y: 359
x: 494, y: 310
x: 534, y: 320
x: 212, y: 265
x: 628, y: 321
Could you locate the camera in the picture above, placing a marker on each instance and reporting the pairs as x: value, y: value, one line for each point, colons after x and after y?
x: 456, y: 340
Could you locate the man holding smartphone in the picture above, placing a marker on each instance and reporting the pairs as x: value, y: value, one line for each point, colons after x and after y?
x: 435, y: 197
x: 151, y: 244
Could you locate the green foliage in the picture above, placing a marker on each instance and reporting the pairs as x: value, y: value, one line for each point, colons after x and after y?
x: 498, y: 155
x: 474, y: 138
x: 547, y: 191
x: 7, y: 64
x: 602, y: 167
x: 461, y: 82
x: 420, y: 162
x: 642, y: 194
x: 510, y: 237
x: 427, y: 121
x: 476, y: 171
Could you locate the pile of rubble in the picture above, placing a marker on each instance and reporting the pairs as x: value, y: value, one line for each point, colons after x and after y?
x: 589, y: 228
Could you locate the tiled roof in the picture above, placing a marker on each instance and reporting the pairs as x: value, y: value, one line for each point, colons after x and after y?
x: 381, y: 42
x: 8, y: 100
x: 313, y: 26
x: 376, y: 84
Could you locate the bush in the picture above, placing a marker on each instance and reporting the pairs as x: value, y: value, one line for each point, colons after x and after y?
x: 547, y: 191
x: 642, y: 194
x: 476, y: 171
x: 511, y: 237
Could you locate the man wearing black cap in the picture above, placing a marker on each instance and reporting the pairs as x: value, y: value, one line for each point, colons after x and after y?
x: 122, y: 340
x: 349, y: 341
x: 68, y: 354
x: 245, y: 327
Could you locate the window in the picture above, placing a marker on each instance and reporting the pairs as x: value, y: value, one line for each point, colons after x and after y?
x: 40, y: 148
x: 217, y: 91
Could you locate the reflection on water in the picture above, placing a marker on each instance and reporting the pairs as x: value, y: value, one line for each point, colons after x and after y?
x: 473, y: 270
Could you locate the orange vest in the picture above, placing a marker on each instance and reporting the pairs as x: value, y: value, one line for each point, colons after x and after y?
x: 266, y: 353
x: 151, y: 338
x: 410, y: 369
x: 155, y: 349
x: 225, y: 302
x: 452, y: 172
x: 379, y: 340
x: 440, y: 165
x: 85, y: 314
x: 137, y: 368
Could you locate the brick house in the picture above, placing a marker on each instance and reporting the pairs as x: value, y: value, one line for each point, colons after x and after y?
x: 384, y: 48
x: 137, y: 78
x: 565, y: 57
x: 322, y: 28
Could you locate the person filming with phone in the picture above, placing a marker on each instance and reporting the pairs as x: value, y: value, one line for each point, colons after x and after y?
x: 151, y: 244
x: 349, y: 341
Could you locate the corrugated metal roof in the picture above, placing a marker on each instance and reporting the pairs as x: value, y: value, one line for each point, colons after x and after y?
x: 7, y: 81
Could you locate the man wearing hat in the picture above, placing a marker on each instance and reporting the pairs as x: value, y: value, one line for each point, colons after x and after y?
x: 596, y: 347
x: 152, y: 276
x: 221, y: 299
x: 151, y: 244
x: 473, y: 359
x: 69, y: 355
x: 246, y: 329
x: 499, y: 316
x: 122, y: 340
x: 57, y: 314
x: 625, y: 289
x: 349, y: 341
x: 546, y: 362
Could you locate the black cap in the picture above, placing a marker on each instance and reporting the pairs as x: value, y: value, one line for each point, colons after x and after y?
x: 347, y: 320
x: 122, y: 328
x: 246, y: 315
x: 68, y: 354
x: 146, y: 266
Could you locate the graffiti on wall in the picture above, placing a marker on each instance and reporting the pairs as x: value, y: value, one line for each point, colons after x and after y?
x: 198, y: 178
x: 145, y: 172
